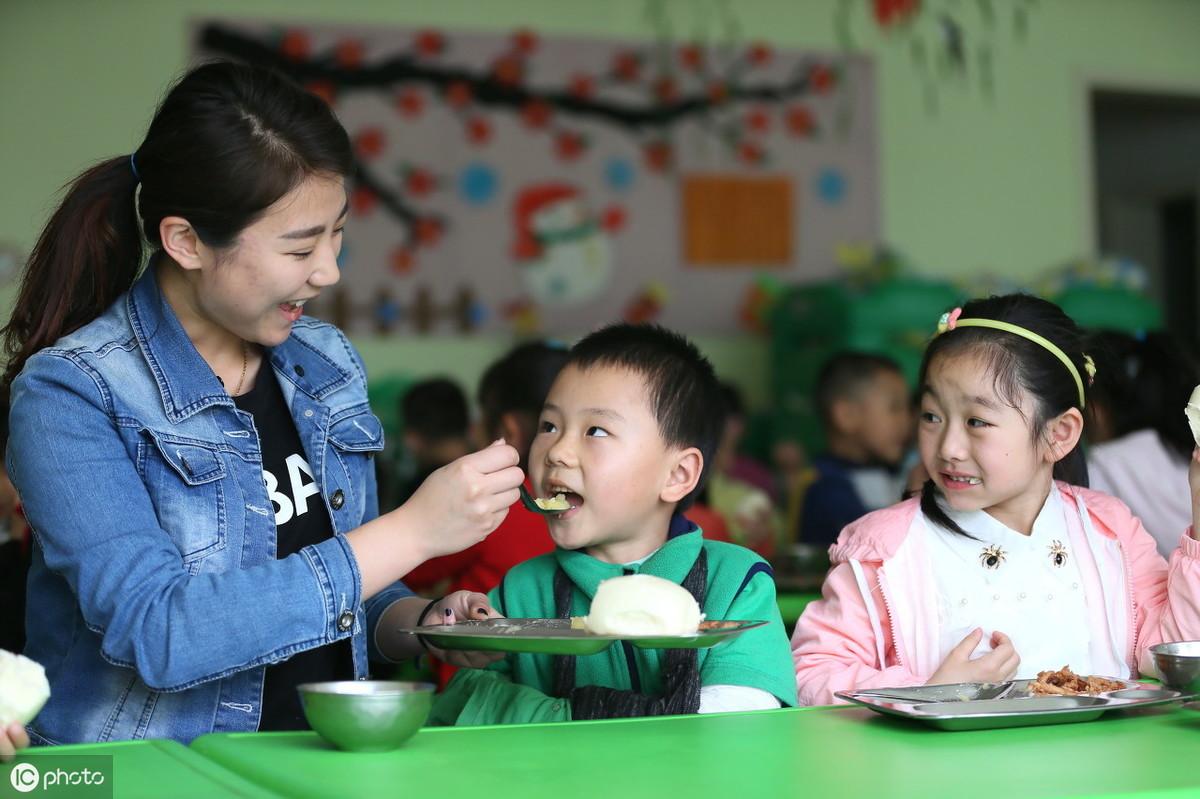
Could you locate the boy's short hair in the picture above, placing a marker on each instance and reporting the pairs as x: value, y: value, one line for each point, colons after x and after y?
x: 845, y: 374
x: 436, y: 410
x: 684, y: 394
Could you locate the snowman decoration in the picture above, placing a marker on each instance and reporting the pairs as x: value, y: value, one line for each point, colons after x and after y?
x: 562, y: 250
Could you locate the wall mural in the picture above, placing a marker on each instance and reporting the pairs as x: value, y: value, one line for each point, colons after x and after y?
x: 550, y: 184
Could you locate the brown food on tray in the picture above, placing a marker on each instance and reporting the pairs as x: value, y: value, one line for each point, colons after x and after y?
x: 718, y: 625
x: 1065, y: 682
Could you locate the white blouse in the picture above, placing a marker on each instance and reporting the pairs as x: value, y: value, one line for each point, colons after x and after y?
x: 1025, y: 586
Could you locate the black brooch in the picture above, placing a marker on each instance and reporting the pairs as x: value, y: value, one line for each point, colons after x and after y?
x: 992, y: 556
x: 1058, y: 554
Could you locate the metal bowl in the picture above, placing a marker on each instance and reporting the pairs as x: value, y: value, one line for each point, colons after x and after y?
x: 1179, y: 665
x: 366, y: 716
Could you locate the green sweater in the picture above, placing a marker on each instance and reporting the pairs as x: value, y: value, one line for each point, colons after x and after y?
x: 517, y: 688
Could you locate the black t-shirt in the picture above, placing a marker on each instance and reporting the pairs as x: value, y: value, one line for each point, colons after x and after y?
x: 300, y: 520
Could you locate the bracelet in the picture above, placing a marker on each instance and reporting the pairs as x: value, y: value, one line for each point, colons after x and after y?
x: 421, y: 619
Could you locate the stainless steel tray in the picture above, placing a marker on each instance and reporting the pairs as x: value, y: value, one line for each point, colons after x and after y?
x: 956, y: 707
x: 557, y: 637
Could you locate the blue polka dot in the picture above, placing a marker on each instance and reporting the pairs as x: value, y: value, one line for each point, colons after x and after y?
x: 831, y: 185
x: 388, y: 312
x: 477, y: 183
x: 619, y: 173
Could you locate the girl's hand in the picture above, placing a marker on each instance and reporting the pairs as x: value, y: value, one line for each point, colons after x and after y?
x: 12, y: 738
x: 996, y: 666
x: 1194, y: 484
x: 461, y: 503
x: 462, y: 605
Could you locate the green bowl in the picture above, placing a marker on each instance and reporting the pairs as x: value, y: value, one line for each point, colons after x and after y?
x: 366, y: 716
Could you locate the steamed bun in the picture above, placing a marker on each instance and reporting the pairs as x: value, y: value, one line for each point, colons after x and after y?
x: 23, y: 688
x: 642, y: 604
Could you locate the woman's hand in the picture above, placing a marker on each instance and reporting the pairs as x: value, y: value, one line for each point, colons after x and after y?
x: 461, y: 605
x: 461, y: 503
x: 996, y: 666
x: 12, y: 738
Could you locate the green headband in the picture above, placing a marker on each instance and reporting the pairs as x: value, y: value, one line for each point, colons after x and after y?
x: 951, y: 321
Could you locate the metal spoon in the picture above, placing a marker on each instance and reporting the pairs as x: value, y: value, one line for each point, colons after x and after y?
x: 530, y: 504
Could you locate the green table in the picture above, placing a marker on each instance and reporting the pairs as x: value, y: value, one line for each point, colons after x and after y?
x: 791, y: 605
x: 813, y: 752
x: 154, y: 769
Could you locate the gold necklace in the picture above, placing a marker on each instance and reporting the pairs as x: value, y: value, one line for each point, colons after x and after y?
x: 245, y: 359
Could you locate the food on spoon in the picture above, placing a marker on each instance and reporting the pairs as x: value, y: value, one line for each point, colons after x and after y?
x: 1192, y: 412
x: 1065, y: 682
x: 642, y: 604
x: 23, y: 688
x: 556, y: 502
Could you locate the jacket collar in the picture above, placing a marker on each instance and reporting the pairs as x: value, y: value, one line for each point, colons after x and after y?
x: 186, y: 382
x: 672, y: 561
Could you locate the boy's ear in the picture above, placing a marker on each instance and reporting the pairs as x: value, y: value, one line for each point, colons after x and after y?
x: 684, y: 475
x: 1063, y: 433
x: 182, y: 243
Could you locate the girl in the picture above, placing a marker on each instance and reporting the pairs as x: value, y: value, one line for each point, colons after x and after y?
x: 192, y: 453
x: 998, y: 569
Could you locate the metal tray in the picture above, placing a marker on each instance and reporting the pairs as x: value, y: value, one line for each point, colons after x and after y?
x: 956, y: 707
x: 557, y: 637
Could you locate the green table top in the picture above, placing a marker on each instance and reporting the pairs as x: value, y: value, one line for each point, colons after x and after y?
x: 155, y: 769
x: 813, y: 752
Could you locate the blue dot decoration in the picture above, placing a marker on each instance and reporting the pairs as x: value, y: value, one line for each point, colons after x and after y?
x: 477, y: 183
x: 831, y: 185
x: 477, y: 314
x: 388, y: 312
x: 619, y: 174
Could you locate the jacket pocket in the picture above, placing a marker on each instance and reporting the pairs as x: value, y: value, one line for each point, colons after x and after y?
x: 186, y: 483
x: 354, y: 439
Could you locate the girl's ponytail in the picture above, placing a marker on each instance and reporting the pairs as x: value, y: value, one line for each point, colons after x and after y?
x: 87, y: 255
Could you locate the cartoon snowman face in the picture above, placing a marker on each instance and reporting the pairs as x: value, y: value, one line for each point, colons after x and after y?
x: 575, y: 264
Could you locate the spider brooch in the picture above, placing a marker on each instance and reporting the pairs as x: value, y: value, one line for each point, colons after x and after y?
x: 992, y: 556
x: 1058, y: 554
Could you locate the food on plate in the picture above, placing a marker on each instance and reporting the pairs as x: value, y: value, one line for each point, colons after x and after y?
x: 23, y: 688
x: 556, y: 502
x: 642, y: 604
x: 1192, y: 411
x: 1065, y: 682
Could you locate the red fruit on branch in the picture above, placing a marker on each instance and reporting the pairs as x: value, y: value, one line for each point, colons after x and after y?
x: 569, y: 145
x: 799, y: 120
x: 658, y: 155
x: 295, y: 45
x: 458, y: 94
x: 525, y: 41
x: 666, y: 89
x: 536, y: 113
x: 401, y: 260
x: 430, y: 43
x: 758, y: 120
x: 626, y: 66
x: 613, y: 219
x: 750, y: 153
x: 508, y: 70
x: 479, y: 130
x: 349, y: 54
x: 369, y: 143
x: 428, y: 231
x: 363, y: 201
x: 718, y: 92
x: 821, y: 78
x: 582, y: 86
x: 691, y: 56
x: 889, y: 13
x: 419, y: 182
x: 323, y: 89
x: 410, y: 102
x: 759, y: 54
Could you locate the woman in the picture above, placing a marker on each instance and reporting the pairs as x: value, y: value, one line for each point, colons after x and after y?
x: 193, y: 455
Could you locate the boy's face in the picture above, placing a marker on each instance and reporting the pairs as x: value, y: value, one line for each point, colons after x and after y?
x: 885, y: 423
x: 598, y: 443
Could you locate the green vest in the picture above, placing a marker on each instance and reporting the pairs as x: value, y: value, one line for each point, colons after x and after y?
x: 517, y: 688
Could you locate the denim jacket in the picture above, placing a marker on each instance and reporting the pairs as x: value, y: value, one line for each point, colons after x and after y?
x: 156, y: 599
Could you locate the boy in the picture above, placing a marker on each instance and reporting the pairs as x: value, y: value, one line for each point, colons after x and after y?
x: 625, y: 434
x: 436, y: 426
x: 864, y: 405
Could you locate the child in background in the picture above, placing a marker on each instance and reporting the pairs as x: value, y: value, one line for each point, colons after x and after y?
x: 998, y: 570
x: 511, y: 394
x: 1140, y: 436
x: 626, y: 433
x: 864, y: 406
x: 436, y: 423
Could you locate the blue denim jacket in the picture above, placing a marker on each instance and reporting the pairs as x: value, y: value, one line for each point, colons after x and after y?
x: 155, y: 598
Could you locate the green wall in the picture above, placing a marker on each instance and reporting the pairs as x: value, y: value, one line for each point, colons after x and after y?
x: 1001, y: 185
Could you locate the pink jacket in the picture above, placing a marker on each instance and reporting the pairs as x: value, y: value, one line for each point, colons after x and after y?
x: 873, y: 626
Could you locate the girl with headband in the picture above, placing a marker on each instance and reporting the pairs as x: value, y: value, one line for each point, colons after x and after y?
x: 1005, y: 565
x: 193, y: 453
